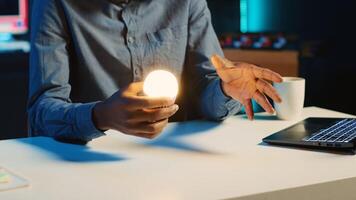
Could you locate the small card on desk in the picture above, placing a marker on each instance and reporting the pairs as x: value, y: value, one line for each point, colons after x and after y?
x: 9, y: 180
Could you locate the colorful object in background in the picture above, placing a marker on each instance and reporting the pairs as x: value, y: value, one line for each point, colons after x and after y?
x: 280, y: 42
x: 10, y: 181
x: 161, y: 83
x: 13, y: 16
x: 4, y: 177
x: 262, y: 42
x: 257, y: 41
x: 246, y: 41
x: 13, y: 21
x: 228, y: 41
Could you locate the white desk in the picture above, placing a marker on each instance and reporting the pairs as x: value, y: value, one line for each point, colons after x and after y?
x: 194, y: 160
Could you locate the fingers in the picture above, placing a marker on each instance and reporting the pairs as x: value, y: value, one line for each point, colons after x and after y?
x: 136, y: 102
x: 248, y: 109
x: 263, y: 101
x: 220, y: 62
x: 226, y: 70
x: 142, y: 102
x: 266, y: 88
x: 134, y: 88
x: 149, y: 123
x: 149, y: 130
x: 216, y: 61
x: 153, y: 115
x: 267, y: 74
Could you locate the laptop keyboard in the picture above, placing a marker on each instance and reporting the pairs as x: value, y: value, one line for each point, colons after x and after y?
x: 343, y: 131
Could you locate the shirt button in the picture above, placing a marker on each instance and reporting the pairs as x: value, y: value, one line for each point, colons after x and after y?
x: 130, y: 39
x: 136, y: 71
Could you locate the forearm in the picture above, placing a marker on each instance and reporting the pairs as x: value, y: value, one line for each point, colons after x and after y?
x: 215, y: 105
x: 50, y: 110
x: 61, y: 120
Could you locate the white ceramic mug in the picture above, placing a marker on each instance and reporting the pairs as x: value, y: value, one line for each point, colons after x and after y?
x: 292, y: 91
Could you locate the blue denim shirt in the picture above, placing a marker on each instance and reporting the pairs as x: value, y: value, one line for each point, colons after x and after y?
x: 84, y: 51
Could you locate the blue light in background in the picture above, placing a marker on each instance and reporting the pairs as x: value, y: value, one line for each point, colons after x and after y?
x: 243, y: 16
x: 5, y: 37
x: 255, y: 15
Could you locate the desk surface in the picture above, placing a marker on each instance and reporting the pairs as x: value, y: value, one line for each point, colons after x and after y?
x: 191, y: 160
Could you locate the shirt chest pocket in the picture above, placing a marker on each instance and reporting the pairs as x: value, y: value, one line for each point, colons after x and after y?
x: 166, y: 48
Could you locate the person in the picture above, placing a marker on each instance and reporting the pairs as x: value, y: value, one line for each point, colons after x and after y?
x: 88, y: 60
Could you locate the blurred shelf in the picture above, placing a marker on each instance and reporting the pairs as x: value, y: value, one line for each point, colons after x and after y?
x: 284, y: 62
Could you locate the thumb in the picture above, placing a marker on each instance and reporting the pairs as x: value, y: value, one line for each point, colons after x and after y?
x: 220, y: 62
x: 135, y: 88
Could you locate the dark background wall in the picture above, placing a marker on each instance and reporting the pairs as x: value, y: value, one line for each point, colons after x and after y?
x: 14, y: 90
x: 226, y: 15
x: 328, y: 53
x: 13, y: 87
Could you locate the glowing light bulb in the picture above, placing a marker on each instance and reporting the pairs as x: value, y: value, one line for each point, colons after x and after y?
x: 160, y: 83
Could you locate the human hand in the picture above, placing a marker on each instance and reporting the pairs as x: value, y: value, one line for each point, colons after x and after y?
x: 132, y: 114
x: 244, y: 82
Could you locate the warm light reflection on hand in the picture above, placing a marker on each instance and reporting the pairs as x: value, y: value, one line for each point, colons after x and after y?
x: 244, y: 82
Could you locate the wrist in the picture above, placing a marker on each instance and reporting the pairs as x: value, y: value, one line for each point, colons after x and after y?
x: 224, y: 88
x: 99, y: 117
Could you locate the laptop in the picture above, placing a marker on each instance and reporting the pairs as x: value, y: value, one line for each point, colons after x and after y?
x: 337, y: 134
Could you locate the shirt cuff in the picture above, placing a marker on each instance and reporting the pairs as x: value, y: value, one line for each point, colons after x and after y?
x: 84, y: 122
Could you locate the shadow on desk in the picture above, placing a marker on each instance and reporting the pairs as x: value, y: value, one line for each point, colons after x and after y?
x: 173, y: 137
x: 70, y: 152
x: 262, y: 117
